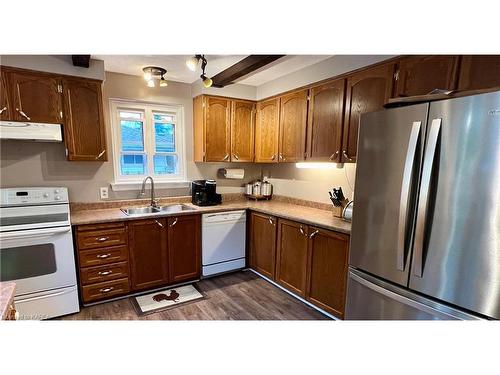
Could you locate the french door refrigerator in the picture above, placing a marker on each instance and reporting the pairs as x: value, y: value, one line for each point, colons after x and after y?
x: 425, y: 240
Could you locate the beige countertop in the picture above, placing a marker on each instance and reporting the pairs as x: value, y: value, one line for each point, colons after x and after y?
x: 307, y: 215
x: 7, y: 291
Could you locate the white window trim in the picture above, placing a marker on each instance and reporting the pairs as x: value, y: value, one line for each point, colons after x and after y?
x: 120, y: 182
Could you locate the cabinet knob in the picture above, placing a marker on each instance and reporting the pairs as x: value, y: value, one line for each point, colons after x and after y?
x: 271, y: 221
x: 23, y: 114
x: 333, y: 156
x: 273, y: 157
x: 102, y: 239
x: 347, y: 156
x: 175, y: 222
x: 314, y: 233
x: 3, y: 110
x: 159, y: 224
x: 106, y: 290
x: 236, y: 157
x: 103, y: 256
x: 105, y: 273
x: 302, y: 231
x: 100, y: 154
x: 226, y: 157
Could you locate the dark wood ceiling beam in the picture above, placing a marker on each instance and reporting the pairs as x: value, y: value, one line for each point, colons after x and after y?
x: 81, y: 60
x: 248, y: 65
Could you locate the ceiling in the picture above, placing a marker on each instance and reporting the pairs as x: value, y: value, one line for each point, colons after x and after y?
x: 178, y: 71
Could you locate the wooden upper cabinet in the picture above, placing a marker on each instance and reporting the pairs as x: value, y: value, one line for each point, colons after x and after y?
x: 366, y: 91
x: 217, y: 129
x: 6, y: 109
x: 419, y: 75
x: 479, y: 72
x: 291, y: 268
x: 325, y: 119
x: 293, y: 124
x: 327, y: 270
x: 148, y: 253
x: 242, y: 131
x: 267, y: 131
x: 184, y: 247
x: 263, y: 244
x: 37, y: 97
x: 84, y: 130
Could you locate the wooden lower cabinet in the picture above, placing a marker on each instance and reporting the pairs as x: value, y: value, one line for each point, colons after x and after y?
x: 291, y: 267
x: 148, y: 253
x: 184, y: 248
x: 308, y: 261
x: 100, y: 291
x: 327, y: 270
x: 263, y: 244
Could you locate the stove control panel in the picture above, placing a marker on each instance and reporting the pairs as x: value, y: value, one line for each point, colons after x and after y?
x: 33, y: 196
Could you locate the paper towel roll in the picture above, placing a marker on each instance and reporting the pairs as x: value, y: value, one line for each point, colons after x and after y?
x: 234, y: 173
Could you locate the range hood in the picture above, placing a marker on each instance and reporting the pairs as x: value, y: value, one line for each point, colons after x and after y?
x: 30, y: 131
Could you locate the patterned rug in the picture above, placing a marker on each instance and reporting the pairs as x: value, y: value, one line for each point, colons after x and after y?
x: 165, y: 299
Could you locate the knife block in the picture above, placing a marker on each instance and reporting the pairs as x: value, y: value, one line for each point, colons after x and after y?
x: 337, y: 211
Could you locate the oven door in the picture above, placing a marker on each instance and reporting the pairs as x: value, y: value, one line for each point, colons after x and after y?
x: 38, y: 259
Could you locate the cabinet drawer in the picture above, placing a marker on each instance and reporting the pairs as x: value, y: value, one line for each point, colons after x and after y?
x: 99, y: 274
x: 101, y: 238
x: 104, y: 290
x: 98, y: 257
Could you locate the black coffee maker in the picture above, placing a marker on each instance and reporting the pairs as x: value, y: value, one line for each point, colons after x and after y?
x: 203, y: 193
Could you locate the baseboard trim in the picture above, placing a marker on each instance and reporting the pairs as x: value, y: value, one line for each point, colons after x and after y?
x: 293, y: 295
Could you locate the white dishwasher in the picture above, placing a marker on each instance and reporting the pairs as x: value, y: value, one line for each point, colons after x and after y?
x: 223, y: 242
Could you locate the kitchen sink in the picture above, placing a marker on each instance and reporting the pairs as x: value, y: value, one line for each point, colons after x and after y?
x: 140, y: 210
x: 176, y: 208
x: 148, y: 210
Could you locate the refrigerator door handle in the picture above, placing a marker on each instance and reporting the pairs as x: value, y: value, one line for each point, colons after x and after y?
x: 405, y: 191
x: 424, y: 196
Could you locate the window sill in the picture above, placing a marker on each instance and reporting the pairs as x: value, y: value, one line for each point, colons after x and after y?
x: 134, y: 185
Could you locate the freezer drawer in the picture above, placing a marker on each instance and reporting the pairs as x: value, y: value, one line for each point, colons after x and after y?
x: 371, y: 299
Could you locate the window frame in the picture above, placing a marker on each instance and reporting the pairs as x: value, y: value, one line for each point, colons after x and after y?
x: 148, y: 133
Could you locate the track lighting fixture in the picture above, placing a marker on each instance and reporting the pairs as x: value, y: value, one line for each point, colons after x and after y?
x: 193, y: 62
x: 154, y: 72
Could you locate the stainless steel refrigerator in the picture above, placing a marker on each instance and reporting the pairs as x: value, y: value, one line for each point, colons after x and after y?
x: 425, y: 240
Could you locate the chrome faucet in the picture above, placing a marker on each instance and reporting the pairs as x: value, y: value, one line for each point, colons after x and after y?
x: 154, y: 203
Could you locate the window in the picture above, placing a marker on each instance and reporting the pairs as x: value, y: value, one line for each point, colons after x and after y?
x: 148, y: 140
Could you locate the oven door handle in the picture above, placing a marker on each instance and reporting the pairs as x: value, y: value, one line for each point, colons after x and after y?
x: 32, y: 233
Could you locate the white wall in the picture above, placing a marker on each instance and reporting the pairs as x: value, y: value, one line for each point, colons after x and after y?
x: 61, y: 64
x: 336, y: 65
x: 233, y: 91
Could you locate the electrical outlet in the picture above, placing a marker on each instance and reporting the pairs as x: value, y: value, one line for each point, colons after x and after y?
x: 104, y: 192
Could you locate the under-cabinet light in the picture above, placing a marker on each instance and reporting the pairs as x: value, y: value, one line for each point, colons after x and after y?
x: 310, y: 165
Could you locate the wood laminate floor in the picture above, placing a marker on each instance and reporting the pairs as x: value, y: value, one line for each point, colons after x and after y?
x: 236, y: 296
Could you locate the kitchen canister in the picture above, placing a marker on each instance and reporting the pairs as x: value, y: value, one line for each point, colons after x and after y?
x: 266, y: 189
x: 257, y: 188
x: 249, y: 189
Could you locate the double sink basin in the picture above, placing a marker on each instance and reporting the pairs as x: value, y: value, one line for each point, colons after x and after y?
x: 150, y: 210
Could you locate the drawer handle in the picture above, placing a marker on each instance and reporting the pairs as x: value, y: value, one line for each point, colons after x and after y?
x: 102, y: 239
x: 103, y: 256
x: 314, y: 233
x: 104, y: 273
x: 106, y: 290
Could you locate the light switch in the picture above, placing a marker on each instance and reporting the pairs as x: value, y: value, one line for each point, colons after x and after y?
x: 104, y: 192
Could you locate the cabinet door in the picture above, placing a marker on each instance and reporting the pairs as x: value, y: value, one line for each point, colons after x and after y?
x: 293, y: 123
x: 325, y: 119
x: 37, y: 97
x: 148, y: 253
x: 263, y: 244
x: 217, y: 129
x: 84, y: 125
x: 184, y: 247
x: 327, y: 270
x: 366, y: 91
x: 479, y: 72
x: 6, y: 110
x: 242, y: 131
x: 291, y: 266
x: 419, y: 75
x: 267, y: 131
